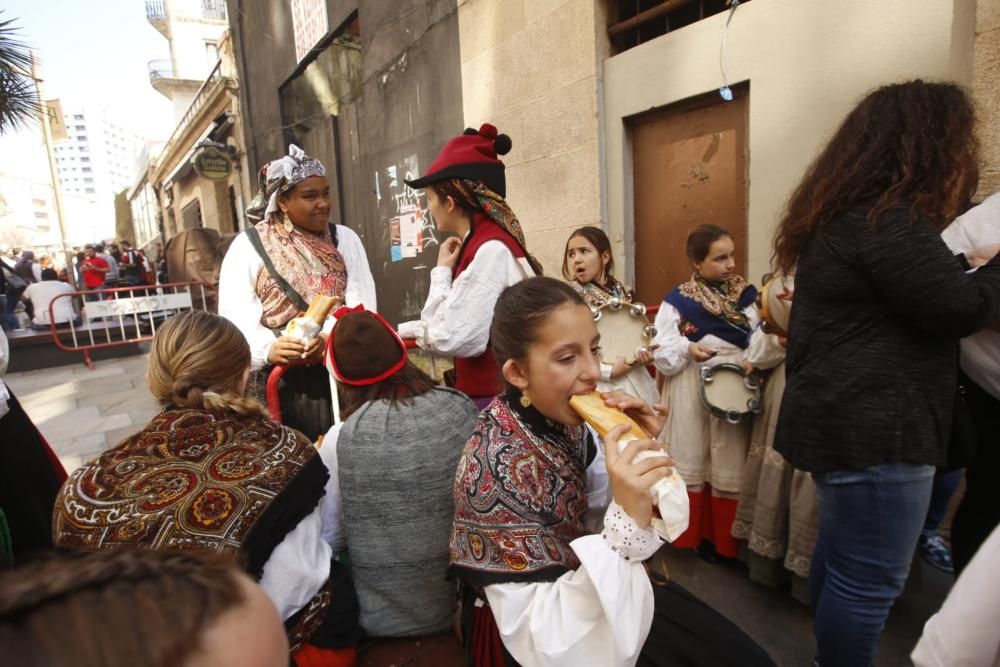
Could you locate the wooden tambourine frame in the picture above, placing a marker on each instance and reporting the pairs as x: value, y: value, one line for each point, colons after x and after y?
x: 624, y: 329
x: 728, y: 392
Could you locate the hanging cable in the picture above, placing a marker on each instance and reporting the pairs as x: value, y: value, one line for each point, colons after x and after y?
x: 725, y: 91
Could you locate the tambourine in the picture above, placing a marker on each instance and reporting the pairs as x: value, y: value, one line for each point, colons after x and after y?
x: 774, y: 310
x: 624, y: 330
x: 727, y: 391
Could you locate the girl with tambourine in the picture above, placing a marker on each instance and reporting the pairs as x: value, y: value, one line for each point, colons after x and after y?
x: 706, y: 321
x: 587, y: 264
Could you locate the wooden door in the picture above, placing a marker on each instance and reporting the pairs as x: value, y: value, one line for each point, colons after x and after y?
x: 689, y: 168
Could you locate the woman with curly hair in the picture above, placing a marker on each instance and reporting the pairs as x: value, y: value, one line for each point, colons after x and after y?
x: 880, y: 304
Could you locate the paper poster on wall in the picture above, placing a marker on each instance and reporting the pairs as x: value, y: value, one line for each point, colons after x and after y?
x: 411, y: 228
x: 396, y: 248
x: 409, y: 233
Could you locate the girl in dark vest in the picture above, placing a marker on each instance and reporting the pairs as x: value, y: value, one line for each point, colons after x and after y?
x: 706, y: 321
x: 213, y: 472
x: 537, y: 590
x: 467, y: 190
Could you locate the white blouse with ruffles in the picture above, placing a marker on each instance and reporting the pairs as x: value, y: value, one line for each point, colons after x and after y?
x: 457, y: 315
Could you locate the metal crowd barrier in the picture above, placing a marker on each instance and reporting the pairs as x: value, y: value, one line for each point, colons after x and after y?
x: 124, y: 315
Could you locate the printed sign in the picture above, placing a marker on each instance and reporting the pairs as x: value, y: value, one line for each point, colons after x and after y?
x: 411, y: 228
x: 212, y: 163
x: 139, y: 304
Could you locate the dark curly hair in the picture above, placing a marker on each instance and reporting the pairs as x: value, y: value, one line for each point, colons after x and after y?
x: 906, y: 145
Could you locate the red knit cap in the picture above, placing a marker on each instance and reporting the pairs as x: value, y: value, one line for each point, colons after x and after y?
x: 472, y: 156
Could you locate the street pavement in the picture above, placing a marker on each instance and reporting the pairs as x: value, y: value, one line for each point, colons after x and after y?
x: 83, y: 412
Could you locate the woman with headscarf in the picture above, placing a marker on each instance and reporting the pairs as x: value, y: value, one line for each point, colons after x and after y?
x: 468, y: 187
x: 273, y: 271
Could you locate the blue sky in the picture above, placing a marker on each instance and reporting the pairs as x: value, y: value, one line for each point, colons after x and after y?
x: 96, y: 53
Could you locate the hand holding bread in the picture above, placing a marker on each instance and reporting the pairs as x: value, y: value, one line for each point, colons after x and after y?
x: 639, y: 471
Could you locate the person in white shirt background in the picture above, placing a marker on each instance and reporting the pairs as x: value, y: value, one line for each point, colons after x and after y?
x: 976, y: 234
x: 276, y: 267
x: 964, y: 632
x: 42, y: 294
x: 467, y: 189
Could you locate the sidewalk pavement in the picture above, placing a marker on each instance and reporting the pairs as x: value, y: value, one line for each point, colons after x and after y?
x: 83, y: 412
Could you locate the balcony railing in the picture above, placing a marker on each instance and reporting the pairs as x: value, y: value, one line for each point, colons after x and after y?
x: 155, y: 10
x: 213, y: 9
x: 204, y: 93
x: 160, y: 69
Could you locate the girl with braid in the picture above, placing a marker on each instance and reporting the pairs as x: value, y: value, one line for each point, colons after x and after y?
x: 125, y: 608
x: 213, y: 472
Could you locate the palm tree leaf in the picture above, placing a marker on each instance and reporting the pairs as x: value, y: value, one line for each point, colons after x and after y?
x: 19, y: 101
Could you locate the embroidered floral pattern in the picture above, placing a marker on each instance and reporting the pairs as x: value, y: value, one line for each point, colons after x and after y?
x: 598, y: 296
x: 520, y: 498
x: 154, y: 490
x: 308, y: 262
x: 719, y: 299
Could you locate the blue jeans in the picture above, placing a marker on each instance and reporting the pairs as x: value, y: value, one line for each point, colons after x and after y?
x: 9, y: 306
x: 945, y: 485
x: 869, y: 522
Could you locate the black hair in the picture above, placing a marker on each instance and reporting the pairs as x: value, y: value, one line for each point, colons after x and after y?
x: 520, y: 311
x: 700, y: 241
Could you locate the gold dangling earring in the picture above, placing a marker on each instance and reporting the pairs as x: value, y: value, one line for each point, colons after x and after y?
x: 285, y: 222
x: 525, y: 399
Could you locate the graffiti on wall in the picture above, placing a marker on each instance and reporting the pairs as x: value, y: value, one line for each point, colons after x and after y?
x: 411, y: 227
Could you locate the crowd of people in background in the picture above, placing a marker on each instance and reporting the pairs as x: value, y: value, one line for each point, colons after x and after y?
x: 30, y: 284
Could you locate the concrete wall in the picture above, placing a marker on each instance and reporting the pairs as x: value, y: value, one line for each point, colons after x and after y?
x: 986, y: 90
x: 807, y: 64
x: 410, y: 105
x: 531, y: 68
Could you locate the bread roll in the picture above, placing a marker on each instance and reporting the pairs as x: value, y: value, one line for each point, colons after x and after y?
x: 669, y: 496
x: 603, y: 418
x: 320, y: 308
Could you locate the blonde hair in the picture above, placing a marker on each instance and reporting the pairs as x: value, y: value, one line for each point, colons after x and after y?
x: 198, y: 360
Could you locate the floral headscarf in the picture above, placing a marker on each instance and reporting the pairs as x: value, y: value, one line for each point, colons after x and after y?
x: 278, y: 177
x: 494, y: 206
